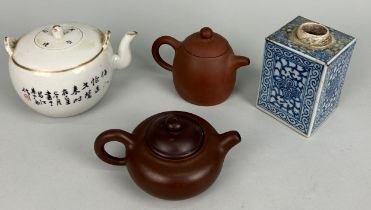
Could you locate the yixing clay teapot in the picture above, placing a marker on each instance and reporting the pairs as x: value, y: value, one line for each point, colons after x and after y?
x: 171, y: 155
x: 63, y: 70
x: 204, y: 66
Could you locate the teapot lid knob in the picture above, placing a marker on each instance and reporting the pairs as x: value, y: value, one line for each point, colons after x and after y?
x: 206, y: 44
x: 206, y: 33
x: 173, y: 124
x: 173, y: 135
x: 57, y: 31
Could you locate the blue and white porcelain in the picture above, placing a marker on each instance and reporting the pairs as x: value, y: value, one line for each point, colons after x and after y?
x: 304, y: 68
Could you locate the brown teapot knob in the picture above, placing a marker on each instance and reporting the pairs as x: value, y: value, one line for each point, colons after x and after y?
x: 206, y: 33
x: 173, y: 124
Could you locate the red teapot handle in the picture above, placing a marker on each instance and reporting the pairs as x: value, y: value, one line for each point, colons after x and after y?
x: 113, y: 135
x: 156, y: 50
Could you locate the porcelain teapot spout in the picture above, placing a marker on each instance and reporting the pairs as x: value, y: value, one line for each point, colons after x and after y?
x: 228, y: 140
x: 123, y: 58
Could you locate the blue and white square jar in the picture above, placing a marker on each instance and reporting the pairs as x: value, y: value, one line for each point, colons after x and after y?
x: 304, y: 68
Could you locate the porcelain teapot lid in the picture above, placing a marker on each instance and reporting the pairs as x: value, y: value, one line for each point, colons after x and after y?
x: 174, y: 136
x: 55, y: 48
x: 206, y: 43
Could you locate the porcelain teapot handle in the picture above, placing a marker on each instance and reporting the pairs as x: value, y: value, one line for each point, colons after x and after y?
x: 106, y: 38
x: 113, y: 135
x: 10, y: 43
x: 156, y: 50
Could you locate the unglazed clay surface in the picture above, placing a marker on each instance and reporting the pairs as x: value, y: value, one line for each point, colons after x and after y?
x: 204, y: 66
x: 171, y: 155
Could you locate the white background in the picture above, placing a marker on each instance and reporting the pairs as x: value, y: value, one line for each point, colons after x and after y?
x: 48, y: 163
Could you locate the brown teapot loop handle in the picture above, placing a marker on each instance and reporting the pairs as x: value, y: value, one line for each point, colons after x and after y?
x: 156, y: 50
x: 113, y: 135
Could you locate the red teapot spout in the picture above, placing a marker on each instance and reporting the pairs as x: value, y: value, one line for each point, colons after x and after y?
x: 228, y: 140
x: 239, y: 61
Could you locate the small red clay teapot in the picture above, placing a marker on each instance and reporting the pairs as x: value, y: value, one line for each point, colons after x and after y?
x: 204, y: 66
x: 171, y: 155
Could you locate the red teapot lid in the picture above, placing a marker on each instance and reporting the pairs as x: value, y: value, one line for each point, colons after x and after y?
x: 174, y: 136
x: 206, y: 44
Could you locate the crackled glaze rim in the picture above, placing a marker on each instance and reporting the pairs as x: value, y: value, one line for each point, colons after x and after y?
x: 312, y: 41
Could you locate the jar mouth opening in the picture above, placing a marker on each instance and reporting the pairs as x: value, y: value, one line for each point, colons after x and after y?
x: 315, y: 29
x: 312, y: 35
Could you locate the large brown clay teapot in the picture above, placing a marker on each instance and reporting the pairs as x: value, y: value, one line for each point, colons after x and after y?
x: 204, y: 66
x: 171, y: 155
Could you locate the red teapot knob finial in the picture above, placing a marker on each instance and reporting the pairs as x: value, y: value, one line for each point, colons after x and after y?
x: 173, y: 124
x: 206, y: 33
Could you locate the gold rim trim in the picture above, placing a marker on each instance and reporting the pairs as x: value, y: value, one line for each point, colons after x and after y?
x: 105, y: 39
x: 57, y: 71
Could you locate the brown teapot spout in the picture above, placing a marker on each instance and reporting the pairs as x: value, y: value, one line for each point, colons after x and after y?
x: 228, y: 140
x: 239, y: 61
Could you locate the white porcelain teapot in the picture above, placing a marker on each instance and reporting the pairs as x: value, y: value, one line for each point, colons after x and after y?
x: 65, y: 69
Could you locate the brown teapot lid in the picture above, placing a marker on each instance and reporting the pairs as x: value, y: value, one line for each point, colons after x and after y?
x: 174, y: 136
x: 206, y: 43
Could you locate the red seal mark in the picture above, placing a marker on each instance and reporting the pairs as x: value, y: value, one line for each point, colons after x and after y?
x: 27, y: 97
